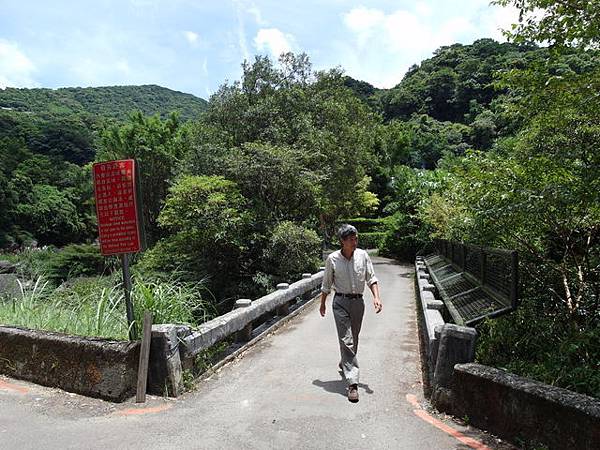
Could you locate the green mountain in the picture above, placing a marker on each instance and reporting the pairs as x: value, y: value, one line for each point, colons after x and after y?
x: 111, y: 101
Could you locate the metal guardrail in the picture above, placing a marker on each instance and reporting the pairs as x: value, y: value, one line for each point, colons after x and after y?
x: 474, y: 282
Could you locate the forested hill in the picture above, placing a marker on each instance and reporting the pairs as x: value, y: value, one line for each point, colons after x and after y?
x: 455, y: 101
x: 111, y: 101
x: 458, y: 82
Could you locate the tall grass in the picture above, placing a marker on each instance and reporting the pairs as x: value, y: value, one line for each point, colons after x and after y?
x: 96, y: 306
x: 171, y: 301
x: 41, y: 308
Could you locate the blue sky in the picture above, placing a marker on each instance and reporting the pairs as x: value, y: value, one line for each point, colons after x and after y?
x: 195, y: 45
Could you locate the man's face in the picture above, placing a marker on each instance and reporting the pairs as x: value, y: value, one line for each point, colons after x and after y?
x: 350, y: 243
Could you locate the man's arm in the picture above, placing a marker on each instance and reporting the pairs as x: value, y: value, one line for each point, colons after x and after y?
x: 376, y: 299
x: 323, y: 307
x: 326, y: 285
x: 373, y: 283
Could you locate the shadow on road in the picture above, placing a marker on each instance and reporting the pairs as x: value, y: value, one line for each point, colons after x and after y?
x: 339, y: 386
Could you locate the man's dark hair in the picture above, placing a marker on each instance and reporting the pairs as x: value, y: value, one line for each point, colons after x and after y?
x: 346, y: 231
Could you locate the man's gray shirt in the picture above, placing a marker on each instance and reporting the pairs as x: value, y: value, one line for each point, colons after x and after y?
x: 348, y: 276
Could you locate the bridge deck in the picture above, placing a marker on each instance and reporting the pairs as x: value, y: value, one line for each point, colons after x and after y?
x: 285, y: 392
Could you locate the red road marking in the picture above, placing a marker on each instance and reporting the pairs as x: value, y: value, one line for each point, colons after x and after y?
x: 412, y: 399
x: 5, y: 385
x: 139, y: 411
x: 473, y: 443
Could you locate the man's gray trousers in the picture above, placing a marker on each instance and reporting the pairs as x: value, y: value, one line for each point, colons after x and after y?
x: 348, y: 314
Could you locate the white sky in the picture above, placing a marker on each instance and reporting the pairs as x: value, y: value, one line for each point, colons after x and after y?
x: 195, y: 45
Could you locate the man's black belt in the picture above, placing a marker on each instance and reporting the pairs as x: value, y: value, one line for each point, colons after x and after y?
x: 349, y: 295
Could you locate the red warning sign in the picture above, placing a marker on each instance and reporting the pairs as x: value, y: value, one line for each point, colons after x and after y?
x: 116, y: 207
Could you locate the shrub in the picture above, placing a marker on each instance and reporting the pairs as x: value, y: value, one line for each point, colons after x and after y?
x: 366, y: 225
x: 208, y: 227
x: 542, y: 346
x: 77, y: 260
x: 31, y: 263
x: 370, y: 240
x: 404, y: 237
x: 291, y: 251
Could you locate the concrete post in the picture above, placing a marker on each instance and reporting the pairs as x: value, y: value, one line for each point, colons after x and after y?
x: 308, y: 294
x: 164, y: 368
x: 284, y: 309
x: 456, y: 346
x: 245, y: 334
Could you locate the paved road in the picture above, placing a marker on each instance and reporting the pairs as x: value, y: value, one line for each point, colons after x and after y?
x: 284, y: 392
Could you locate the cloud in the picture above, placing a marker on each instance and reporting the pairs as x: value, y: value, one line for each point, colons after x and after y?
x: 191, y: 37
x: 383, y: 45
x: 241, y: 30
x: 423, y: 9
x: 255, y: 12
x: 274, y: 41
x: 500, y: 19
x: 95, y: 72
x: 16, y: 69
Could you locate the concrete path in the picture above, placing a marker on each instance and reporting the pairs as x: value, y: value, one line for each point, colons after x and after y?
x: 284, y: 392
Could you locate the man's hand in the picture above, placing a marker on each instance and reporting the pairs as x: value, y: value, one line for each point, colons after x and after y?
x: 377, y: 304
x: 323, y: 308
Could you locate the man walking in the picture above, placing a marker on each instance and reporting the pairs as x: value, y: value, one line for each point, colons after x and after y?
x: 347, y: 271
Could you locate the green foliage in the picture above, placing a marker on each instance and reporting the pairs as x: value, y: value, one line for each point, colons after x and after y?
x: 209, y: 208
x: 208, y: 231
x: 544, y: 347
x: 115, y: 102
x: 43, y: 198
x: 274, y: 181
x: 61, y: 138
x: 76, y: 260
x: 291, y: 251
x: 314, y: 125
x: 156, y: 146
x: 50, y: 215
x: 406, y: 232
x: 559, y: 23
x: 458, y: 78
x: 96, y: 306
x: 366, y: 92
x: 170, y: 301
x: 370, y: 240
x: 404, y: 237
x: 366, y: 225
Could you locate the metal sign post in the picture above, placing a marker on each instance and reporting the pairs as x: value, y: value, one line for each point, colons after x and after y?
x: 128, y: 304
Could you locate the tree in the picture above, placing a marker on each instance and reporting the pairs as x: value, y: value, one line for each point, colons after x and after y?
x: 275, y: 181
x: 208, y: 232
x: 291, y: 251
x: 156, y: 146
x: 49, y: 216
x: 561, y: 23
x: 325, y: 130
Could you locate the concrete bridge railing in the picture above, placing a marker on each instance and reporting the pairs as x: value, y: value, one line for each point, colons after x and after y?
x: 513, y: 407
x: 175, y: 346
